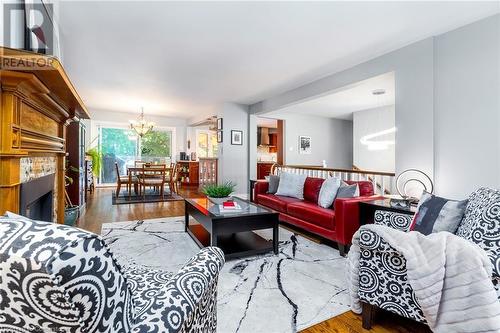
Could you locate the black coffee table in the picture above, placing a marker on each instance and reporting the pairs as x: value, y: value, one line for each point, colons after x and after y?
x: 231, y: 231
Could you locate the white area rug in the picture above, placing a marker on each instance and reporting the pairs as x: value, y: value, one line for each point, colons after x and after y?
x: 298, y: 288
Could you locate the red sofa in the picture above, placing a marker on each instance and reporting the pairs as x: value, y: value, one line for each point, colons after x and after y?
x: 338, y: 223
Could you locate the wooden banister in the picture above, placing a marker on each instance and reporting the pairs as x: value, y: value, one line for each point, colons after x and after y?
x: 208, y: 170
x: 382, y: 181
x: 320, y: 168
x: 379, y: 186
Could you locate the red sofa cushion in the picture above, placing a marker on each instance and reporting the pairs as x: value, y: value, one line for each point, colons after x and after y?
x: 275, y: 202
x: 311, y: 189
x: 365, y: 187
x: 312, y: 213
x: 260, y: 187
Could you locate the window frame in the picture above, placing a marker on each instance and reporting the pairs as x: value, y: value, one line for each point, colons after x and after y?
x: 97, y: 125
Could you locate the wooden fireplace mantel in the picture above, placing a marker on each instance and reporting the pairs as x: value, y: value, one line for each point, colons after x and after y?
x: 38, y: 101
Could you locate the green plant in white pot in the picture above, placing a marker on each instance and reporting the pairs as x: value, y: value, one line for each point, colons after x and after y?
x: 219, y: 193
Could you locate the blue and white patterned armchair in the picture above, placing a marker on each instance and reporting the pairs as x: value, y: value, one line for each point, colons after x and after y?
x: 55, y: 278
x: 383, y: 281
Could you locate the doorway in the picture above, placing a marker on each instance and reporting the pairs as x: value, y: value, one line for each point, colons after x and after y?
x: 269, y: 145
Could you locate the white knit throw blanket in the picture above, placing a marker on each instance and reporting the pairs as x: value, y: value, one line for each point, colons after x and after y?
x: 451, y: 278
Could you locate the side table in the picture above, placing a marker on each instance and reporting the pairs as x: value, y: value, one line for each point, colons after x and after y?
x: 367, y: 209
x: 252, y: 186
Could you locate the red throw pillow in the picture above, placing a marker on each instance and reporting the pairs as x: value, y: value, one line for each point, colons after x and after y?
x: 312, y: 186
x: 365, y: 187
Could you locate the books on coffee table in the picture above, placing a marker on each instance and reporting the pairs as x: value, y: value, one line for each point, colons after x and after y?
x: 229, y: 206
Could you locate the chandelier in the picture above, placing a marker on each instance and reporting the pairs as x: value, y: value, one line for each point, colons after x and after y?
x: 141, y: 126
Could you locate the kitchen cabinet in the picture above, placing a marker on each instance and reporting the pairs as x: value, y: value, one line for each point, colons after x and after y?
x: 263, y: 170
x: 273, y: 139
x: 273, y: 142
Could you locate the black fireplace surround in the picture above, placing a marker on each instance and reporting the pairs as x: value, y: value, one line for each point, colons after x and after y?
x: 36, y: 198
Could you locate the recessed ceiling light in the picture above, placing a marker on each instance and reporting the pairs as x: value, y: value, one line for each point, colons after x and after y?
x: 377, y: 92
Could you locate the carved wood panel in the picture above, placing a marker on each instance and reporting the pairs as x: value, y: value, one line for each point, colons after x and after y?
x: 35, y: 121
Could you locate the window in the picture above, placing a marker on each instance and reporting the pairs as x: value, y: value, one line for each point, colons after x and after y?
x: 156, y: 146
x: 117, y: 146
x: 206, y: 143
x: 121, y: 145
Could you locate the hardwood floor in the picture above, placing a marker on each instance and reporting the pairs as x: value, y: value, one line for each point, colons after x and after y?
x: 100, y: 210
x: 385, y: 322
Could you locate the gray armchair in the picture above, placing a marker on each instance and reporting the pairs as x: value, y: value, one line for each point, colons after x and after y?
x: 382, y: 270
x: 55, y: 278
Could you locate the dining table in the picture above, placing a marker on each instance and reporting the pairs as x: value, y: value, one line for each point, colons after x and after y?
x: 133, y: 170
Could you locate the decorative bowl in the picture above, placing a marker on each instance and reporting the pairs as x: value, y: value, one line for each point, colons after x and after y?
x: 218, y: 201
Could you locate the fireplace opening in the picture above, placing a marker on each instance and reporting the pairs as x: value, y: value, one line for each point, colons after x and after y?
x: 36, y: 198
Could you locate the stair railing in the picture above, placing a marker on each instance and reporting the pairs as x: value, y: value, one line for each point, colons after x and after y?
x: 383, y: 182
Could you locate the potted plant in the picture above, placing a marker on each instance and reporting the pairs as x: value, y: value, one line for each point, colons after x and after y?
x: 70, y: 211
x: 219, y: 193
x: 96, y: 157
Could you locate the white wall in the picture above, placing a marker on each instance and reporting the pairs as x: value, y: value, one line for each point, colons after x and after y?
x: 447, y: 107
x: 122, y: 118
x: 331, y: 140
x: 467, y: 108
x: 414, y: 102
x: 252, y: 147
x: 233, y: 159
x: 191, y: 135
x: 368, y: 122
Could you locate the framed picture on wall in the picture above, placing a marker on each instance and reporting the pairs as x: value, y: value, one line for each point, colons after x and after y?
x: 219, y: 124
x: 304, y: 144
x: 219, y: 136
x: 236, y: 137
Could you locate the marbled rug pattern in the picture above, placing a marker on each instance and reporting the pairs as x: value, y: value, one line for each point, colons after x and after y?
x: 303, y: 285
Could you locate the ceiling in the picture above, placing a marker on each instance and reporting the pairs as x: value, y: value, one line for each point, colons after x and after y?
x: 342, y: 103
x: 183, y: 59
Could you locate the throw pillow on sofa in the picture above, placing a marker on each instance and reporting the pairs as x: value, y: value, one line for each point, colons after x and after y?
x: 348, y: 191
x: 312, y: 187
x: 274, y: 182
x: 435, y: 214
x: 365, y: 187
x: 291, y: 185
x: 328, y: 192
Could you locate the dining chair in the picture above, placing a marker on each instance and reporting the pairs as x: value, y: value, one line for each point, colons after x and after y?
x: 174, y: 175
x: 120, y: 179
x: 139, y: 164
x: 154, y: 167
x: 152, y: 176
